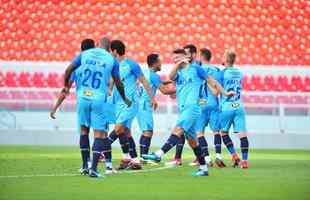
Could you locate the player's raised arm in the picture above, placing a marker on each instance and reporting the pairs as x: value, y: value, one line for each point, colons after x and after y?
x: 212, y: 83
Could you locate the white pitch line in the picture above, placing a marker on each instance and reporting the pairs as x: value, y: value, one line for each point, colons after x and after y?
x: 68, y: 175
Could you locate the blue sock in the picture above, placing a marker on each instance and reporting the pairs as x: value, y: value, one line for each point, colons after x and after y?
x: 84, y: 146
x: 203, y: 144
x: 132, y: 147
x: 112, y: 136
x: 97, y: 149
x: 123, y: 140
x: 229, y: 144
x: 171, y: 142
x: 107, y: 150
x: 145, y: 143
x: 179, y: 147
x: 199, y: 155
x: 218, y: 143
x: 244, y: 145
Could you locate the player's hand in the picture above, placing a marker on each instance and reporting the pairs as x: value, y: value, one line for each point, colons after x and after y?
x: 52, y: 114
x: 154, y: 103
x: 230, y: 93
x: 127, y: 102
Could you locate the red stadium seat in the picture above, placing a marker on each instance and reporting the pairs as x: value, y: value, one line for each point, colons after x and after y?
x: 10, y: 79
x: 244, y: 22
x: 38, y: 80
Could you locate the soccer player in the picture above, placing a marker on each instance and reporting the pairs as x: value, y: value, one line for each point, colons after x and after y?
x: 189, y: 78
x: 93, y: 69
x: 145, y: 114
x: 130, y: 73
x: 209, y: 103
x: 232, y: 110
x: 85, y: 45
x: 191, y: 53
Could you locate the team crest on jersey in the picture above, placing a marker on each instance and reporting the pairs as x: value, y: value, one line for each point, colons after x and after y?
x: 88, y: 93
x: 235, y: 105
x: 203, y: 101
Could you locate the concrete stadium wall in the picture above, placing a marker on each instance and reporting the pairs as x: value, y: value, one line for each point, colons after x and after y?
x: 36, y: 128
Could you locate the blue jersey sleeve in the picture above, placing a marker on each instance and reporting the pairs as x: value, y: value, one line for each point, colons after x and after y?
x: 115, y: 69
x: 73, y: 76
x: 136, y: 69
x: 221, y: 77
x: 155, y: 79
x: 201, y: 72
x: 76, y: 62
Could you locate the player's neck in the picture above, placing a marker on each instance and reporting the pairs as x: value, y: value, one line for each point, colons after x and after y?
x: 120, y: 58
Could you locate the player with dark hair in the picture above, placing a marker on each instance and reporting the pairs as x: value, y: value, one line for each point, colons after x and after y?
x: 145, y: 114
x: 85, y: 45
x: 209, y: 103
x: 130, y: 73
x: 189, y: 78
x: 232, y: 110
x: 191, y: 54
x: 93, y: 69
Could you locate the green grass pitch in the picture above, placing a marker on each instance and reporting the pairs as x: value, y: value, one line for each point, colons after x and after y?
x: 273, y: 174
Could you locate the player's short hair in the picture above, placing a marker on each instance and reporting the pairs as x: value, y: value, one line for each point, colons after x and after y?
x: 230, y: 56
x: 179, y: 51
x: 152, y: 59
x: 105, y: 43
x: 87, y: 44
x: 192, y: 48
x: 119, y: 46
x: 206, y: 53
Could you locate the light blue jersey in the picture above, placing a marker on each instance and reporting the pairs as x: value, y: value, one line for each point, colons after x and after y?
x: 232, y: 109
x: 210, y: 100
x: 188, y: 82
x: 209, y: 103
x: 145, y: 114
x: 129, y: 72
x: 93, y: 70
x: 231, y: 80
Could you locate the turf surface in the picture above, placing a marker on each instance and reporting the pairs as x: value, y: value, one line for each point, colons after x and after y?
x: 273, y: 174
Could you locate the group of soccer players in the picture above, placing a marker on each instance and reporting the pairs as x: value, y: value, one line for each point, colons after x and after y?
x: 113, y: 89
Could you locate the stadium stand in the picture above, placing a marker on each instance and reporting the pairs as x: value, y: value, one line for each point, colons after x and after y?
x: 262, y: 32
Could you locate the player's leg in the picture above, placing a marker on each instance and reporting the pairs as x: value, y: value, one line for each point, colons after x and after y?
x: 145, y: 142
x: 240, y: 128
x: 177, y: 160
x: 215, y: 127
x: 203, y: 168
x: 102, y: 145
x: 145, y: 122
x: 85, y: 148
x: 169, y: 144
x: 185, y: 122
x: 226, y: 122
x: 83, y: 111
x: 199, y: 128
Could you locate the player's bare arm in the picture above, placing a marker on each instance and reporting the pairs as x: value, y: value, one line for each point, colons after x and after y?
x: 61, y: 98
x: 120, y: 87
x: 166, y: 90
x: 111, y: 84
x: 214, y: 84
x: 67, y: 76
x: 148, y: 89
